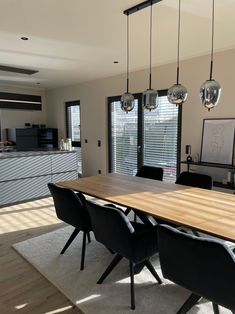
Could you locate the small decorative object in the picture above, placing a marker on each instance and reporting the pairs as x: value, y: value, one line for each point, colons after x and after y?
x: 188, y: 152
x: 62, y: 144
x: 68, y: 144
x: 210, y: 90
x: 218, y: 141
x: 127, y: 99
x: 150, y: 95
x: 177, y: 94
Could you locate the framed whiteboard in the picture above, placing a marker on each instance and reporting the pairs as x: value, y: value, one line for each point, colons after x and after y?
x: 218, y: 141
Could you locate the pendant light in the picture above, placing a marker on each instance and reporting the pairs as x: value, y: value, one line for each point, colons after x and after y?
x: 210, y: 90
x: 150, y: 95
x: 127, y: 99
x: 177, y: 94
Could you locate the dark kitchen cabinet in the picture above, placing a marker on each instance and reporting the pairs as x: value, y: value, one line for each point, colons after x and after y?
x: 33, y: 138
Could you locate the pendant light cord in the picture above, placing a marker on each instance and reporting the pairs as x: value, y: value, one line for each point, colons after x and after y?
x: 178, y: 45
x: 150, y: 50
x: 127, y: 57
x: 212, y: 37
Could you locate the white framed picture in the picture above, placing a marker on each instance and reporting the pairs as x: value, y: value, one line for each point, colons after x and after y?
x: 218, y: 141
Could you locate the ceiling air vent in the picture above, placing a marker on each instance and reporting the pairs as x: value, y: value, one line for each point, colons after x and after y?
x: 17, y: 70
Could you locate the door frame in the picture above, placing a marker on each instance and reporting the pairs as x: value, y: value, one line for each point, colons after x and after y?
x: 140, y: 131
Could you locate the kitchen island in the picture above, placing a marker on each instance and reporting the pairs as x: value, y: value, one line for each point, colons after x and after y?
x: 25, y: 175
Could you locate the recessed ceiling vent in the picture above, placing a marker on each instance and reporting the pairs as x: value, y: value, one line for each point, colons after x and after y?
x: 17, y: 70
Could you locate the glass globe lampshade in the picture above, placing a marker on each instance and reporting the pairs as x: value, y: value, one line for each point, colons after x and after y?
x: 150, y: 99
x: 127, y: 102
x: 177, y: 94
x: 210, y: 93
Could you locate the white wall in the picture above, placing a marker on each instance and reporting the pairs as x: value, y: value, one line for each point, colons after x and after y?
x: 11, y: 118
x: 93, y: 96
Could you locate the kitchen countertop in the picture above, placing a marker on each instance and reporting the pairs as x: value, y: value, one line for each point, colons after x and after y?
x: 16, y: 154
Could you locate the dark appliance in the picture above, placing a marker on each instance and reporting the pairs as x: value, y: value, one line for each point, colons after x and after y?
x: 33, y: 138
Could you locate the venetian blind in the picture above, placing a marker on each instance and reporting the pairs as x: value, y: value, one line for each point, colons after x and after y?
x: 124, y: 139
x: 160, y: 138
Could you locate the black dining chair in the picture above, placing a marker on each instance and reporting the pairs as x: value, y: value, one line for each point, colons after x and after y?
x: 204, y: 266
x: 134, y: 241
x: 147, y: 172
x: 71, y: 208
x: 195, y: 180
x: 150, y: 172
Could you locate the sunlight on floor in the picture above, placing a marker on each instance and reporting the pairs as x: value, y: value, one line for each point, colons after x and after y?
x: 21, y: 306
x: 60, y: 310
x: 91, y: 297
x: 27, y: 215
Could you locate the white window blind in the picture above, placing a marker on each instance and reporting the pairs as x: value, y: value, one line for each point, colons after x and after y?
x: 124, y: 139
x: 161, y: 138
x: 73, y: 123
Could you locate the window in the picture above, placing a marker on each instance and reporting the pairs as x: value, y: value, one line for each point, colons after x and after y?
x: 73, y: 127
x: 73, y: 122
x: 144, y: 137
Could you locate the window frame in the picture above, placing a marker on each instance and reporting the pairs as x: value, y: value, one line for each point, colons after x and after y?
x: 67, y: 105
x: 140, y: 131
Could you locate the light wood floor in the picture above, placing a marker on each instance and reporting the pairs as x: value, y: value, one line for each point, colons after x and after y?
x: 22, y: 288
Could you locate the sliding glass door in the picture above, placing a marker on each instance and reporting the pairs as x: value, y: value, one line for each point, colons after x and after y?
x: 124, y: 156
x: 144, y: 137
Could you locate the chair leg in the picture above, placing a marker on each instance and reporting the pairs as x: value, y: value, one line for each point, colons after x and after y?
x: 83, y: 250
x: 135, y: 217
x: 215, y: 308
x: 152, y: 271
x: 195, y: 233
x: 112, y: 252
x: 70, y: 240
x: 88, y: 237
x: 127, y: 211
x: 138, y: 267
x: 131, y: 264
x: 189, y: 303
x: 111, y: 266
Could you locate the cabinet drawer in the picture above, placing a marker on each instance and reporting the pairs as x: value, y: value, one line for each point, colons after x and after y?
x: 64, y: 162
x: 23, y: 167
x: 25, y: 189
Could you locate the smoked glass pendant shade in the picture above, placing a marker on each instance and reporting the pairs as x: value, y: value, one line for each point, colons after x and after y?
x: 150, y: 99
x: 177, y: 94
x: 210, y: 93
x: 127, y: 102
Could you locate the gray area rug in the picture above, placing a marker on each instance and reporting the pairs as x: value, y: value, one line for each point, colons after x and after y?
x: 113, y: 296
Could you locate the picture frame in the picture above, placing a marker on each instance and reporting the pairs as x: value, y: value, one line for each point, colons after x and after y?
x: 217, y: 144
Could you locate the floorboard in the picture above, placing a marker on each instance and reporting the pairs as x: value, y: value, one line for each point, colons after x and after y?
x: 22, y: 288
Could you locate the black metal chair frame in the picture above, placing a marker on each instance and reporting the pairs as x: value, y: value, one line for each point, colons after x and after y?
x: 190, y: 262
x: 106, y: 221
x: 67, y: 210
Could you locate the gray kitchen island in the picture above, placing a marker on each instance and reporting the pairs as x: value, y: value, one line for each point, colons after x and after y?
x: 25, y: 175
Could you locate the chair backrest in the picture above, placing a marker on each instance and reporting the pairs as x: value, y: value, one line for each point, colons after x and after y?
x: 204, y: 266
x: 111, y: 227
x: 150, y: 172
x: 70, y: 207
x: 195, y: 179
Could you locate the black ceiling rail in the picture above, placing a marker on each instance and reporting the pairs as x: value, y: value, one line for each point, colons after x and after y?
x: 140, y: 6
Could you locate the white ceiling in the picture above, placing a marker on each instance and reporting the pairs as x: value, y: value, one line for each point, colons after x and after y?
x: 74, y: 41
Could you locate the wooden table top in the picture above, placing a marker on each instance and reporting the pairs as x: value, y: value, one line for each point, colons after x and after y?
x: 204, y: 210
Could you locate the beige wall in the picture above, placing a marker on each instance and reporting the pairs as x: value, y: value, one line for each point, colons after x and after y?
x: 17, y: 118
x: 93, y: 97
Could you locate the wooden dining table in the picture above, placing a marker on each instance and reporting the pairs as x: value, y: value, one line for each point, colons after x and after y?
x: 203, y: 210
